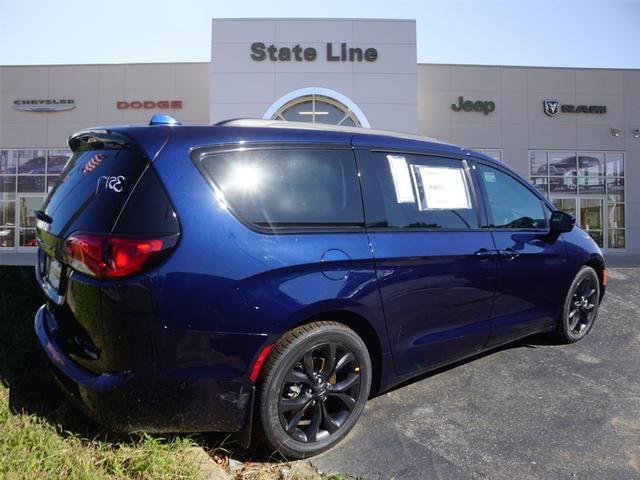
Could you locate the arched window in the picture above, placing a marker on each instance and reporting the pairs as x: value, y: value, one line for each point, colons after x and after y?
x: 317, y: 105
x: 317, y: 109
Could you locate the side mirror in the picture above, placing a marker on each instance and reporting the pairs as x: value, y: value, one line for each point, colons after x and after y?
x: 561, y: 222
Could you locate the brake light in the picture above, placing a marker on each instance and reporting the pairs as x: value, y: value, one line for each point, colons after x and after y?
x: 111, y: 257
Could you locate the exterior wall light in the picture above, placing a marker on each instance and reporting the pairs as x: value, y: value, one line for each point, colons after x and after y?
x: 636, y: 133
x: 616, y: 132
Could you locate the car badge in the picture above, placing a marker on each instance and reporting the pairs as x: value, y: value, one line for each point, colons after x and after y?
x: 551, y: 107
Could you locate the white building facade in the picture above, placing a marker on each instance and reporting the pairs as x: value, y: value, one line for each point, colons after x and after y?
x: 574, y: 133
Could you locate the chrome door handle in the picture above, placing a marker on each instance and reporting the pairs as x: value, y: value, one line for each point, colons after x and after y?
x: 484, y: 253
x: 508, y: 254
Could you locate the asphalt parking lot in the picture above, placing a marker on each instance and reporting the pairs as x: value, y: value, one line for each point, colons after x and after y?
x: 532, y: 410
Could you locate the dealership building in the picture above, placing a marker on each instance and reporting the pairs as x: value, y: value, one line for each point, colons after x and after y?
x: 573, y: 132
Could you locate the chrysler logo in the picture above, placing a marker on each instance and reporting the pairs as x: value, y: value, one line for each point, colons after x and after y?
x: 44, y: 105
x: 551, y: 107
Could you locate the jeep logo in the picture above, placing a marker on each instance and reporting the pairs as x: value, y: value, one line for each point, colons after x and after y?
x: 485, y: 107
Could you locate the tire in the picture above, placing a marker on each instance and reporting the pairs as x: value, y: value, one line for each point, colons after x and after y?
x: 580, y: 307
x: 312, y: 389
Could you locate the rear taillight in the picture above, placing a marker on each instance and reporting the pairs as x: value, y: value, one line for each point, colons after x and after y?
x: 113, y: 257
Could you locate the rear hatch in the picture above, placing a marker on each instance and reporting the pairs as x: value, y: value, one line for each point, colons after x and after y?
x: 97, y: 207
x: 94, y: 184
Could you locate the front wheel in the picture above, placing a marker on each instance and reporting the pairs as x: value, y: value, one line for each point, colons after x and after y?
x: 313, y: 388
x: 580, y: 306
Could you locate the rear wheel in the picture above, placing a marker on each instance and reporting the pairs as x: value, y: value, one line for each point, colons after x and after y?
x: 580, y: 306
x: 313, y: 388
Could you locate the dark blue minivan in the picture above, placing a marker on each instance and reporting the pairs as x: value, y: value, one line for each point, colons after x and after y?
x: 267, y: 277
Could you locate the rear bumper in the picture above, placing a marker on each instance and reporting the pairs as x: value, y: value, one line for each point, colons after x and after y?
x: 149, y: 400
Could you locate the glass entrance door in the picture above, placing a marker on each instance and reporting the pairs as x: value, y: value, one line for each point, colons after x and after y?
x: 566, y: 205
x: 589, y: 213
x: 591, y: 218
x: 26, y: 232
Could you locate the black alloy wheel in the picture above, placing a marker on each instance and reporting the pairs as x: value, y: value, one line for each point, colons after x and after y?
x: 581, y: 306
x: 314, y: 387
x: 319, y: 393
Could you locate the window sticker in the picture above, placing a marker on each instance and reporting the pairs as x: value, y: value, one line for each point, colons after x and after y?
x: 401, y: 179
x: 441, y: 188
x: 489, y: 177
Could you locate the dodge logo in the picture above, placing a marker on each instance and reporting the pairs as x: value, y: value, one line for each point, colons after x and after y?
x: 149, y: 104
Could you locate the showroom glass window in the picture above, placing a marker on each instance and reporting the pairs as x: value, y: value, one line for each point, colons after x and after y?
x: 25, y: 177
x: 589, y: 185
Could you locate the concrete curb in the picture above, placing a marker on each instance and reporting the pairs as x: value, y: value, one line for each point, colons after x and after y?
x: 210, y: 470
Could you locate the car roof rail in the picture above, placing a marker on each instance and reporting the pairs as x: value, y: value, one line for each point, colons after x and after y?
x: 265, y: 123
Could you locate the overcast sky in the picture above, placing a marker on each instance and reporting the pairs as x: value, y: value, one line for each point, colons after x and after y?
x: 582, y: 33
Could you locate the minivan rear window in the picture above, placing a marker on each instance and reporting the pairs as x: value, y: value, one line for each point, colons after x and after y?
x: 93, y: 186
x: 289, y: 188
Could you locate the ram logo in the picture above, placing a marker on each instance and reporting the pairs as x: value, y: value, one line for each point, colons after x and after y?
x: 551, y: 107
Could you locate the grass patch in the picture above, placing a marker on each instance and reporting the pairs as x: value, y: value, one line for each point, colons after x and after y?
x: 31, y: 447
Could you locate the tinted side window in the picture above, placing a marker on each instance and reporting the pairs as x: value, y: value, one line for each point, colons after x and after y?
x: 509, y: 203
x: 285, y: 188
x: 416, y: 191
